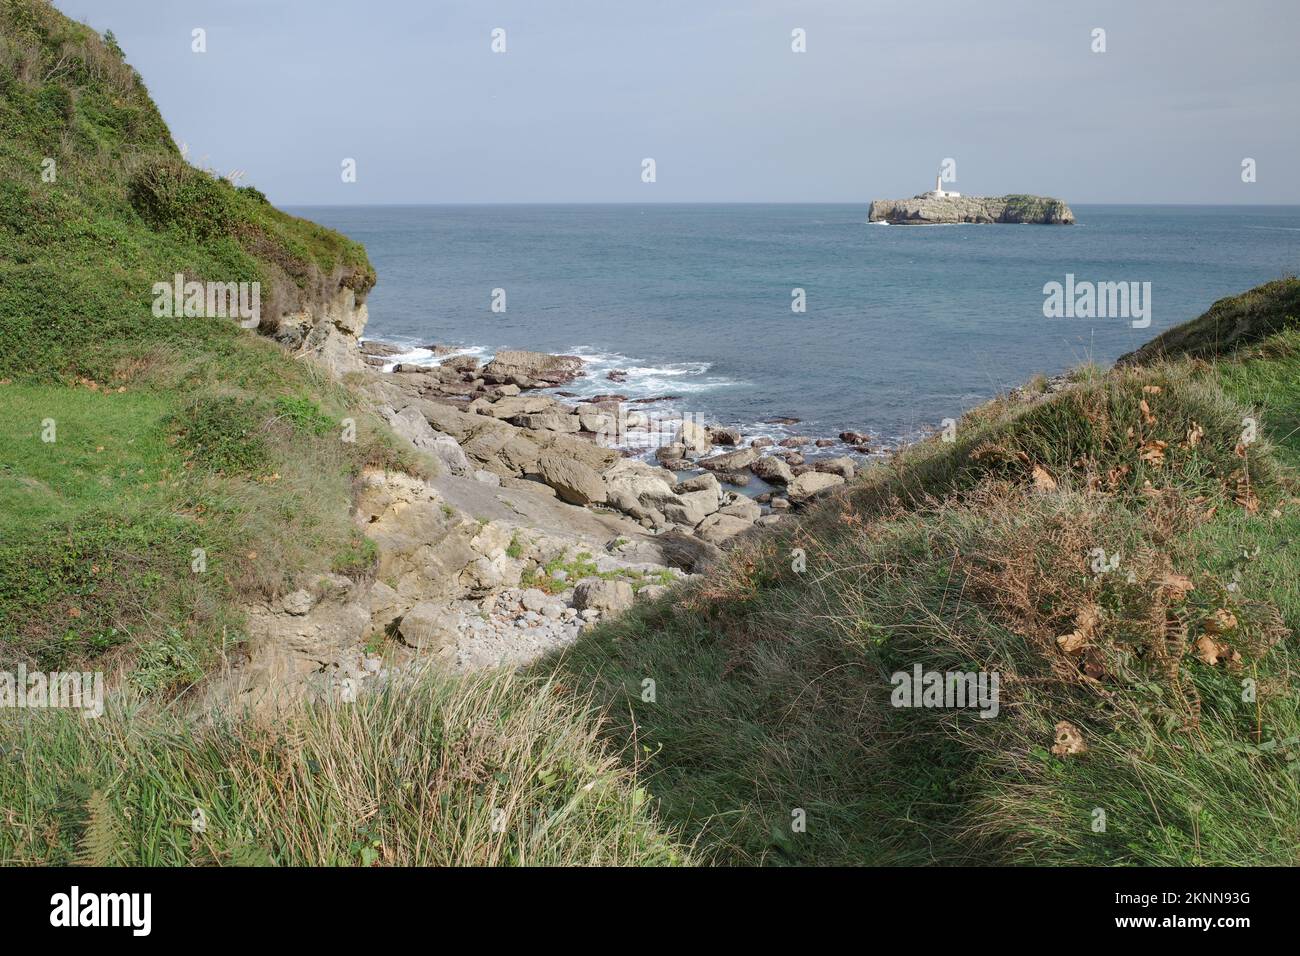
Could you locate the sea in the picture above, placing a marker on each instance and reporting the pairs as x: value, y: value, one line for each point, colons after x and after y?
x: 757, y: 315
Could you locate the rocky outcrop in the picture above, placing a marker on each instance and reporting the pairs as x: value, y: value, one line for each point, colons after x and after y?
x: 608, y: 597
x: 532, y: 442
x: 772, y: 470
x: 327, y: 331
x: 528, y: 530
x: 573, y: 481
x: 415, y: 428
x: 451, y: 585
x: 933, y: 210
x: 531, y: 369
x: 731, y: 461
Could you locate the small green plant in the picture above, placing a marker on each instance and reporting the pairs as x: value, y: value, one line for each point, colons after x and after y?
x: 356, y: 557
x: 170, y: 194
x: 224, y: 434
x: 167, y: 664
x: 304, y: 414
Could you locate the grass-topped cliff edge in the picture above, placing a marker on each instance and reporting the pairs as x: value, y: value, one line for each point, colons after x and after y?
x: 1171, y: 657
x: 131, y: 444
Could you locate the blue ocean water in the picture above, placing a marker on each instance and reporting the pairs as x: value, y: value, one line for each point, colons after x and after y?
x: 905, y: 325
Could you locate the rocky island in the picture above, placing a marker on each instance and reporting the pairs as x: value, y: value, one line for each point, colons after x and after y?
x: 940, y: 206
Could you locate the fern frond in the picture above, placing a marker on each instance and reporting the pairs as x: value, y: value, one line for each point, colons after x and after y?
x: 99, y: 840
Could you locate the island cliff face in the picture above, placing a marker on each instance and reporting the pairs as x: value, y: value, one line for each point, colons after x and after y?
x: 931, y: 210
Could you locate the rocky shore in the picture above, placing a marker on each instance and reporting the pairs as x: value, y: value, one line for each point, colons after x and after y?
x: 493, y: 421
x: 538, y: 522
x: 927, y: 209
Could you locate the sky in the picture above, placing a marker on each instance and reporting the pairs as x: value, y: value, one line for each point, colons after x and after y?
x: 1011, y: 90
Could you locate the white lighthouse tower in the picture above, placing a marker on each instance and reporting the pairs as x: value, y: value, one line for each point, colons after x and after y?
x: 939, y: 192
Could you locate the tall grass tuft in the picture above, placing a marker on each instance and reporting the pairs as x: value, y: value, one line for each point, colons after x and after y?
x: 491, y: 770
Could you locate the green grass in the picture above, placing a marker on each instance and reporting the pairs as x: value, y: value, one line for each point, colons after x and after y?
x: 484, y: 771
x: 581, y: 566
x: 176, y: 440
x: 1264, y: 380
x: 1232, y: 323
x: 772, y: 685
x: 105, y: 448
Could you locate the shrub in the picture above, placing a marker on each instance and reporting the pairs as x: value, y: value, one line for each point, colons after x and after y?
x: 169, y: 193
x: 304, y: 414
x: 224, y: 434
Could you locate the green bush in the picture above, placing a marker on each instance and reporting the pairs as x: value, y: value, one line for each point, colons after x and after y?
x: 224, y: 434
x: 169, y: 193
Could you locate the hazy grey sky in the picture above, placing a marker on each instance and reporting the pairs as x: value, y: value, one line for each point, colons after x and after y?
x: 711, y: 90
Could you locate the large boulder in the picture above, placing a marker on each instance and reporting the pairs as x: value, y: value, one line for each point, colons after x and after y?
x: 492, y: 444
x: 743, y: 507
x: 731, y: 461
x: 717, y: 529
x: 485, y: 575
x: 460, y: 363
x: 600, y: 419
x: 685, y: 551
x: 697, y: 498
x: 411, y: 425
x: 705, y: 482
x: 842, y: 466
x: 773, y: 470
x: 639, y: 489
x: 548, y: 421
x: 430, y: 627
x: 608, y: 597
x: 515, y: 406
x: 693, y: 437
x: 811, y: 483
x: 691, y: 508
x: 531, y: 369
x: 579, y: 449
x: 573, y: 481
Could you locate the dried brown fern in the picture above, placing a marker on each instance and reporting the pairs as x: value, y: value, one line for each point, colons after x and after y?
x: 99, y: 840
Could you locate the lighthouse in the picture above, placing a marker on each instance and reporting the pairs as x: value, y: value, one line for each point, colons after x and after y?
x: 939, y: 192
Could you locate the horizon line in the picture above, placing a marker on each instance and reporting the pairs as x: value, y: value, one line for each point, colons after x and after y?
x: 747, y: 202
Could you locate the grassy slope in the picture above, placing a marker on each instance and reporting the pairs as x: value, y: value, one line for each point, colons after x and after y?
x: 99, y: 525
x: 1228, y: 324
x: 481, y: 771
x: 772, y: 685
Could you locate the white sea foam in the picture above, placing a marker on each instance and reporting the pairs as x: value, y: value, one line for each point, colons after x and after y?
x: 643, y: 381
x: 676, y: 379
x: 427, y: 357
